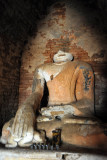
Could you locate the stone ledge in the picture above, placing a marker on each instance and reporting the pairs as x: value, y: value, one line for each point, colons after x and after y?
x: 74, y: 154
x: 26, y: 154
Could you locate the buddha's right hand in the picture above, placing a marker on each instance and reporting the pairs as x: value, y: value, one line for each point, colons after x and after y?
x: 24, y: 122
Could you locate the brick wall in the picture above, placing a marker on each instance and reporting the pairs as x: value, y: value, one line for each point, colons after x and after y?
x: 73, y: 28
x: 9, y: 80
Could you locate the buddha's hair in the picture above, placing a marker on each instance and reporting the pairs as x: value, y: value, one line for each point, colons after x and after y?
x: 62, y: 56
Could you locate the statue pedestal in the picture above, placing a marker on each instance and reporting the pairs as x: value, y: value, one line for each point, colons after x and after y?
x: 28, y: 154
x: 82, y: 132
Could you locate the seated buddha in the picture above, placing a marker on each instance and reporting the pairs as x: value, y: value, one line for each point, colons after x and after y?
x: 71, y: 99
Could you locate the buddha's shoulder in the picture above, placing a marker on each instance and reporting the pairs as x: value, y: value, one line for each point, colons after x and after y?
x: 43, y: 66
x: 74, y: 64
x: 81, y: 65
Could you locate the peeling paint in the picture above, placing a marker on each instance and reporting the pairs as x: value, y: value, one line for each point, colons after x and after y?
x: 87, y: 80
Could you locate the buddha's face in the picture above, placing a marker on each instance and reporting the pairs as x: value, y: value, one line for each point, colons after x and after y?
x: 61, y: 56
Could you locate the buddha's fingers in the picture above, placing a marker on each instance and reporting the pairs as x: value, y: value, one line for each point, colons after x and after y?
x: 25, y: 128
x: 16, y: 129
x: 14, y: 125
x: 30, y: 130
x: 16, y: 122
x: 20, y: 130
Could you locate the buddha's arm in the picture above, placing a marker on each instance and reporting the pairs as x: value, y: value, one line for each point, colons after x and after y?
x: 25, y: 116
x: 84, y: 90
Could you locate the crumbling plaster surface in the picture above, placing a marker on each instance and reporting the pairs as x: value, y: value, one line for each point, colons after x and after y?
x: 86, y: 36
x: 72, y: 28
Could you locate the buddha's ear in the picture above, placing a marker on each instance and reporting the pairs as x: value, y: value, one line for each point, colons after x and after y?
x: 61, y: 56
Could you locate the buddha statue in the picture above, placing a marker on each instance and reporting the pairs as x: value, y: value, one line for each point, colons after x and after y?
x: 71, y: 99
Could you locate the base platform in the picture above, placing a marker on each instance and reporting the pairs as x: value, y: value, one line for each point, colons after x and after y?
x: 82, y: 132
x: 73, y: 153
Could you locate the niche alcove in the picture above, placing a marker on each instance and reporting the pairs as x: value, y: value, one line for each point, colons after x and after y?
x: 31, y: 32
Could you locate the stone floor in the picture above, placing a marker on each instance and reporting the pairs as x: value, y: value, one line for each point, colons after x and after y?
x: 64, y: 153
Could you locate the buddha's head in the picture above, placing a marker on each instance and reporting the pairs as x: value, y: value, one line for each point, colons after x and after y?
x: 61, y: 56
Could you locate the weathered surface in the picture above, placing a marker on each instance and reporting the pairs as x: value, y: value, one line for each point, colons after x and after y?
x: 69, y: 119
x: 68, y: 83
x: 12, y: 141
x: 71, y: 27
x: 79, y: 132
x: 60, y: 111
